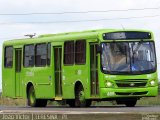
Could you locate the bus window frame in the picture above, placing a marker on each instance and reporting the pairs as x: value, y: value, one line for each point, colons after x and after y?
x: 84, y: 52
x: 35, y: 50
x: 24, y: 56
x: 66, y: 64
x: 5, y: 66
x: 49, y: 44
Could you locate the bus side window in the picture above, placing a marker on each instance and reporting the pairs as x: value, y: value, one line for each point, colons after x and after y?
x: 41, y: 55
x: 8, y: 59
x: 69, y: 53
x: 80, y: 52
x: 48, y: 53
x: 29, y: 55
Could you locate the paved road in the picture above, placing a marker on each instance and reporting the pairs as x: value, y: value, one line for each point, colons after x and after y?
x: 92, y: 113
x: 92, y: 109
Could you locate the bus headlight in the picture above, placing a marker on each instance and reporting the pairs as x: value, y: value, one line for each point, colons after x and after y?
x: 152, y: 82
x: 109, y: 84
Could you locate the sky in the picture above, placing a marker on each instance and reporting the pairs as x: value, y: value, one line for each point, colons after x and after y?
x: 16, y: 26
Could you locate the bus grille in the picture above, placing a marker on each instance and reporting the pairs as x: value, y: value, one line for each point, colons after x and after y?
x: 131, y: 83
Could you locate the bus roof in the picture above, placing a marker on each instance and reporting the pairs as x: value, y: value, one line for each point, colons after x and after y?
x: 60, y: 37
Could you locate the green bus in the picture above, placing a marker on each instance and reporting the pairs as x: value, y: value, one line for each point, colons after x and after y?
x: 81, y: 67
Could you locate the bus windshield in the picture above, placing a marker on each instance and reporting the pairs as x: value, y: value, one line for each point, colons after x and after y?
x: 128, y: 57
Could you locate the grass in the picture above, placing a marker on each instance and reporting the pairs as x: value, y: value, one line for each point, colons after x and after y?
x: 12, y: 102
x: 5, y: 101
x: 149, y: 101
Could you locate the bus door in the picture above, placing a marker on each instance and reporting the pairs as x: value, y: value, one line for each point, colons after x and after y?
x: 94, y: 70
x: 18, y: 60
x: 58, y: 72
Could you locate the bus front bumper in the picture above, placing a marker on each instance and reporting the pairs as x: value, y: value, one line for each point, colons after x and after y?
x: 128, y: 92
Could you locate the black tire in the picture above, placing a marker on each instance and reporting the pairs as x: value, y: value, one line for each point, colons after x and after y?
x: 78, y: 93
x: 77, y: 102
x: 130, y: 103
x: 41, y: 102
x: 88, y: 103
x: 71, y: 103
x: 80, y: 100
x: 32, y: 101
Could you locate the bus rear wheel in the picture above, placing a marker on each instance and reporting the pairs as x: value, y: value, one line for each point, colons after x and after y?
x: 32, y: 101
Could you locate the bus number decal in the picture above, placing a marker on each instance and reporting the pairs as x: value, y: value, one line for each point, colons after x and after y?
x: 29, y: 74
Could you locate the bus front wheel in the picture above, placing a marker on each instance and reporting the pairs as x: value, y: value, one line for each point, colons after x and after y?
x: 130, y: 103
x: 80, y: 100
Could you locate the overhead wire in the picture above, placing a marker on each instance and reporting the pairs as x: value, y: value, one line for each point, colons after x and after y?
x: 89, y: 20
x: 73, y: 21
x: 79, y: 12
